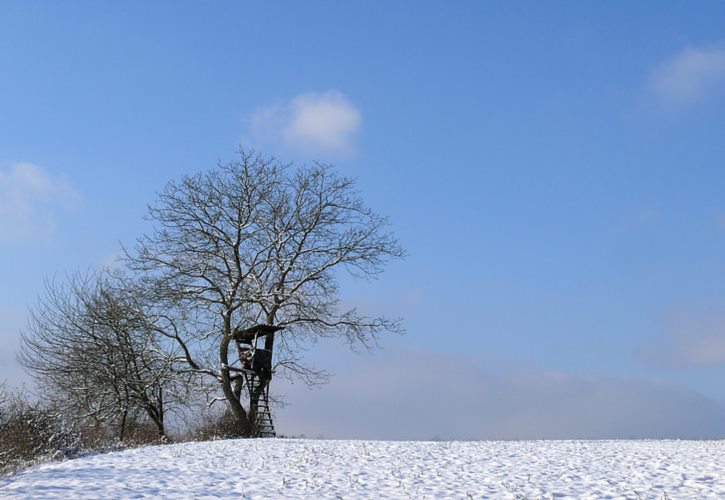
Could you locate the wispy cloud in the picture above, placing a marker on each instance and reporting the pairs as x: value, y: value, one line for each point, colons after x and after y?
x: 30, y: 199
x: 324, y: 122
x: 690, y: 76
x: 692, y: 337
x: 402, y: 394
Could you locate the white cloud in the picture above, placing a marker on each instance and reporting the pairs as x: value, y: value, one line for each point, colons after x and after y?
x: 690, y: 76
x: 30, y: 198
x: 693, y: 337
x: 324, y: 122
x: 399, y: 394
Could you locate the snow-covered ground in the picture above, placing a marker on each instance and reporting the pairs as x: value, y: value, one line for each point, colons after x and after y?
x: 271, y: 468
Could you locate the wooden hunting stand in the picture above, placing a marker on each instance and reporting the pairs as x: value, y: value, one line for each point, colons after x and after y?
x: 255, y: 374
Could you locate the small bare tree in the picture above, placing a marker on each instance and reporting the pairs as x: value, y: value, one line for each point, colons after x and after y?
x: 91, y: 350
x: 243, y: 258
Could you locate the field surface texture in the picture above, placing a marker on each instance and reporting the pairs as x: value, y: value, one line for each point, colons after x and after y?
x: 271, y: 468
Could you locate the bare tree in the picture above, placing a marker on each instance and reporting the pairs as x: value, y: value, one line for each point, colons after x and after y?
x: 240, y: 271
x: 91, y: 350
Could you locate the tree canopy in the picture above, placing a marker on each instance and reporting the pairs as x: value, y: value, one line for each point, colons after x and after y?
x: 258, y: 242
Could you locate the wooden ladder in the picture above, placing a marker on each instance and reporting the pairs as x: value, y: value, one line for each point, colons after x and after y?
x: 263, y: 423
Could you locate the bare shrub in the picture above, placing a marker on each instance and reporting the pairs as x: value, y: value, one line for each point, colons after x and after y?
x: 212, y: 425
x: 31, y: 432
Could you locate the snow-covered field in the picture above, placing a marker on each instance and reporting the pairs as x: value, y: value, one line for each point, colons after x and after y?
x: 272, y: 468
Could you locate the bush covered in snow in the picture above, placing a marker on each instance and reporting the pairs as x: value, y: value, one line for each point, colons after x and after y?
x: 31, y: 432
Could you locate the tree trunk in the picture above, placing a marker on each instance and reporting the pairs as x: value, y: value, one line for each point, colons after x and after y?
x: 240, y: 415
x: 122, y: 431
x: 155, y: 412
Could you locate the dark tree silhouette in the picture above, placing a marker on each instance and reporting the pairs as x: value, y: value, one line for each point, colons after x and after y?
x: 240, y: 270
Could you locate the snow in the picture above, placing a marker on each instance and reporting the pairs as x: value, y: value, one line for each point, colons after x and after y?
x: 299, y: 468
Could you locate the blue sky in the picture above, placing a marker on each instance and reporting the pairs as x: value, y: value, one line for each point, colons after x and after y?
x: 555, y: 170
